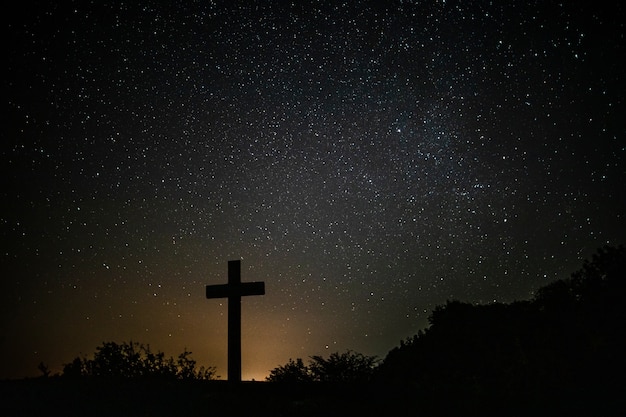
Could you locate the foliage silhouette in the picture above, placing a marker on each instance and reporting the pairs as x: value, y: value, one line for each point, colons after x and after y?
x: 561, y: 352
x: 43, y: 368
x: 343, y: 367
x: 135, y: 360
x: 339, y: 367
x: 292, y: 371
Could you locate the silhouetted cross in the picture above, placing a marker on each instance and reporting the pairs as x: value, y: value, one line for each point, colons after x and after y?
x: 234, y: 290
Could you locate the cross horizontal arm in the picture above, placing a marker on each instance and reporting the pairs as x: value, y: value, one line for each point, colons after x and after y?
x: 218, y: 291
x: 229, y: 290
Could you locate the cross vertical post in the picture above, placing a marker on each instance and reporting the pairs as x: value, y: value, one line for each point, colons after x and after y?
x: 234, y: 322
x: 234, y: 290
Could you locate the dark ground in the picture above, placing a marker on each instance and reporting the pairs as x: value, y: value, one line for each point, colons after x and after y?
x: 97, y: 397
x: 59, y: 396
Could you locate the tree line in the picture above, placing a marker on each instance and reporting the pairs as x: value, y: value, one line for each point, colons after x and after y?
x: 562, y: 350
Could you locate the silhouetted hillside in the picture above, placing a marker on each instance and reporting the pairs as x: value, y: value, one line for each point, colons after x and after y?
x: 563, y: 351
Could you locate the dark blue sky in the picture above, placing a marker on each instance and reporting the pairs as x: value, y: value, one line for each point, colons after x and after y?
x: 367, y: 160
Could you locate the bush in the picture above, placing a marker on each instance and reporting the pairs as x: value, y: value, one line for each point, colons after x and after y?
x: 339, y: 367
x: 135, y: 360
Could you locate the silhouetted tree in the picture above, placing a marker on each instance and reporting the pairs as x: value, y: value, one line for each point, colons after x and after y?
x: 339, y: 367
x: 43, y: 368
x: 186, y: 368
x: 76, y: 368
x: 343, y: 367
x: 600, y: 280
x: 582, y: 324
x: 561, y: 351
x: 292, y: 371
x: 135, y: 360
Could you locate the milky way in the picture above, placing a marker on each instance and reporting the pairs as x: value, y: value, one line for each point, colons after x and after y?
x: 367, y: 161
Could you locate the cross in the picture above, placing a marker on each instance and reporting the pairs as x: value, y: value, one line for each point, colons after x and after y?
x: 234, y: 290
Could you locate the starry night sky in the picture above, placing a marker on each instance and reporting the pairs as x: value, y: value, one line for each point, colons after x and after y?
x: 367, y: 160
